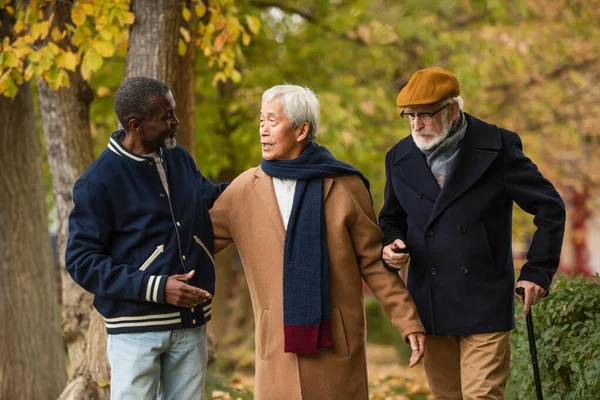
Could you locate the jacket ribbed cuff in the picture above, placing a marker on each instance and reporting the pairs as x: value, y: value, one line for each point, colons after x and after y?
x: 154, y: 288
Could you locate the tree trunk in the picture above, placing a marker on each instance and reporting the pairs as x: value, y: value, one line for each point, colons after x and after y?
x: 31, y: 349
x: 153, y: 52
x: 65, y: 117
x: 66, y: 122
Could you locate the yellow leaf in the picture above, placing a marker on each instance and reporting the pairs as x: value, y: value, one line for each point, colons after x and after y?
x: 200, y: 9
x: 181, y: 47
x: 86, y: 73
x: 69, y: 61
x: 78, y: 37
x: 102, y: 91
x: 219, y: 77
x: 92, y: 60
x: 246, y: 39
x: 53, y: 48
x: 236, y: 76
x: 87, y: 8
x: 40, y: 30
x: 10, y: 60
x: 44, y: 65
x: 186, y: 14
x: 78, y: 16
x: 11, y: 88
x: 10, y: 10
x: 253, y: 24
x: 220, y: 41
x: 35, y: 56
x: 185, y: 33
x: 21, y: 52
x: 63, y: 77
x: 19, y: 26
x: 127, y: 18
x: 207, y: 51
x: 106, y: 34
x: 103, y: 383
x: 105, y: 49
x: 28, y: 72
x: 56, y: 34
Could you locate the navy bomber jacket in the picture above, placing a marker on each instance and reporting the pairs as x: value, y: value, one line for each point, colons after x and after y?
x: 127, y: 235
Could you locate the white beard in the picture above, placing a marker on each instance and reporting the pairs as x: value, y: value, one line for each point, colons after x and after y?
x: 438, y: 137
x: 170, y: 143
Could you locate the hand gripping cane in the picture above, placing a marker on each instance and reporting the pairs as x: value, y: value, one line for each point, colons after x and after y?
x: 532, y: 349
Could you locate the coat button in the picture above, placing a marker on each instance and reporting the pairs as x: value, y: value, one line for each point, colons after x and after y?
x: 194, y: 321
x: 150, y: 163
x: 429, y: 232
x: 162, y: 195
x: 433, y: 271
x: 183, y: 258
x: 464, y: 270
x: 193, y: 309
x: 462, y: 229
x: 419, y: 195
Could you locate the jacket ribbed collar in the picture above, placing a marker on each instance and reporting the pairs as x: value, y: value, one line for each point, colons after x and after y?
x: 115, y: 145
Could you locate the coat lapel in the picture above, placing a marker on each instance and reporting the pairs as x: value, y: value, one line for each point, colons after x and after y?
x: 478, y: 150
x: 412, y: 167
x: 263, y: 186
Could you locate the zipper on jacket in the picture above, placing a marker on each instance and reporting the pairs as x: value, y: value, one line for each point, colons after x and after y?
x: 150, y: 260
x: 171, y: 210
x: 197, y: 239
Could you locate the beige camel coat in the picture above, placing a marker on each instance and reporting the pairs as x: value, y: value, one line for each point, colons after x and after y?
x: 247, y: 213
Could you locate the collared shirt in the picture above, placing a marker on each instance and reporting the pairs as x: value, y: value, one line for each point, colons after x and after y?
x: 284, y: 190
x: 161, y: 170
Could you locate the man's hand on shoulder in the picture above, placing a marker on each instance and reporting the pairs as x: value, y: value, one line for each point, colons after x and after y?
x: 395, y: 254
x: 180, y: 294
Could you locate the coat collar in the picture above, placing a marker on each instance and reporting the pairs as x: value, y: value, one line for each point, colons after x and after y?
x: 264, y: 189
x: 115, y: 145
x: 478, y: 150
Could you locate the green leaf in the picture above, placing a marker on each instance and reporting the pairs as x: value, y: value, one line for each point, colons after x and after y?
x: 253, y: 24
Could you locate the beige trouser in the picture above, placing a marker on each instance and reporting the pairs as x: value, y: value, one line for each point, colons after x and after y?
x: 467, y: 367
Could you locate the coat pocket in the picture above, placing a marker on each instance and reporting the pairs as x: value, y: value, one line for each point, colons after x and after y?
x: 197, y: 239
x: 340, y: 339
x: 264, y: 333
x: 153, y: 256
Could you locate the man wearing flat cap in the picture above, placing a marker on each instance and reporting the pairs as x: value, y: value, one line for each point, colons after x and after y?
x: 450, y: 188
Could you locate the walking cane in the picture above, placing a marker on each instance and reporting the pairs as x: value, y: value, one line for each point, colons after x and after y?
x: 532, y: 349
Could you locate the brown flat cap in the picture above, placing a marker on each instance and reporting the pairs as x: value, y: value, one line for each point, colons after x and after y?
x: 428, y: 86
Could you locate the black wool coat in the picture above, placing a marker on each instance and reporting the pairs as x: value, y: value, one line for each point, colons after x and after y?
x: 461, y: 272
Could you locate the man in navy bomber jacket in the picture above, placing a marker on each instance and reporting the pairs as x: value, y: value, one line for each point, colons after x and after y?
x: 141, y: 241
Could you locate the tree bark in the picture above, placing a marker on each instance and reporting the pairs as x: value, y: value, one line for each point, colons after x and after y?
x: 31, y: 349
x: 66, y: 123
x: 153, y: 52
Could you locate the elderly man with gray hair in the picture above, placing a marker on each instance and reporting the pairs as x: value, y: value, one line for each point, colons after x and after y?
x: 304, y: 226
x: 449, y: 197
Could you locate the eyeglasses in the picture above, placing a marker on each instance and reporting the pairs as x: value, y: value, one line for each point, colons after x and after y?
x: 425, y: 117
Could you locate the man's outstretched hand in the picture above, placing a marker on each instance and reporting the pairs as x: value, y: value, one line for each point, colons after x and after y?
x: 180, y: 294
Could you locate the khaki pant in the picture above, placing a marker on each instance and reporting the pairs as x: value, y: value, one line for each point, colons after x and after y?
x: 467, y: 367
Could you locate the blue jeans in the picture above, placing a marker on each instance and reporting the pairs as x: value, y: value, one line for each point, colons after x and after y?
x: 165, y: 365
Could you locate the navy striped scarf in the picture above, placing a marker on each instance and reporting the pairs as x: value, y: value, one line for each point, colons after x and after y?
x: 306, y: 306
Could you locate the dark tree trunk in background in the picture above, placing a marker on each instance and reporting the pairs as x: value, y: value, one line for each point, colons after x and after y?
x: 32, y: 364
x: 66, y: 123
x: 153, y: 52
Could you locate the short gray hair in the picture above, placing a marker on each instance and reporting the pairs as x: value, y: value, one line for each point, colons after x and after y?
x: 457, y: 100
x: 300, y: 105
x: 135, y: 98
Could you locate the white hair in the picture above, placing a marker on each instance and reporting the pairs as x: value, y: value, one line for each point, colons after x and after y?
x: 300, y: 105
x: 458, y: 100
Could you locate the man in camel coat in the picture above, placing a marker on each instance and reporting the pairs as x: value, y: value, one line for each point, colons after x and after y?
x: 304, y: 226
